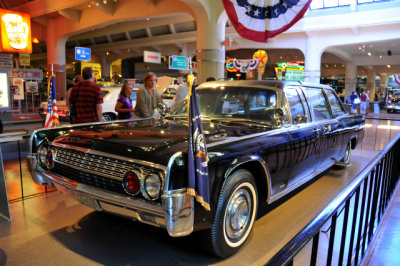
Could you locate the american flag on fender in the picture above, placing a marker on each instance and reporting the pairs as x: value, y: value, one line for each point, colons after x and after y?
x: 52, y: 114
x: 198, y: 183
x: 259, y: 20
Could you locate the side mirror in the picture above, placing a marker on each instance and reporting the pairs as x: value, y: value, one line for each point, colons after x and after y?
x: 280, y: 116
x: 298, y: 119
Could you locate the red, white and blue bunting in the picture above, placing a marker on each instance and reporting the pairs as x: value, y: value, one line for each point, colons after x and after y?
x: 259, y: 20
x: 397, y: 78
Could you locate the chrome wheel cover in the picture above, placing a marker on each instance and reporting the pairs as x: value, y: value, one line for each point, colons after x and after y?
x: 346, y: 157
x: 238, y: 214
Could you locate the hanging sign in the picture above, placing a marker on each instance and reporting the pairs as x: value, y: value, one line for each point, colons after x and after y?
x: 152, y: 57
x: 82, y: 53
x: 246, y: 65
x: 15, y: 32
x: 178, y: 62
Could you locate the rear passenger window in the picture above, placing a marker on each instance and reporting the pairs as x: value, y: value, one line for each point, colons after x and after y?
x: 336, y: 106
x: 295, y: 104
x: 318, y: 103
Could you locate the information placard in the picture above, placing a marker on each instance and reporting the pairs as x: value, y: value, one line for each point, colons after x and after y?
x: 82, y: 53
x: 178, y: 62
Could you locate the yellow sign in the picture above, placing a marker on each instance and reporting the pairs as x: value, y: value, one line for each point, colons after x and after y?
x: 24, y: 59
x: 15, y: 32
x: 263, y: 56
x: 96, y: 68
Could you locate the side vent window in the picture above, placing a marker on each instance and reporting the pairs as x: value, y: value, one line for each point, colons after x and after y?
x: 336, y: 106
x: 318, y: 103
x: 297, y: 111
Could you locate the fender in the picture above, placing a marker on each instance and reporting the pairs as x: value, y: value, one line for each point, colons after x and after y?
x: 236, y: 163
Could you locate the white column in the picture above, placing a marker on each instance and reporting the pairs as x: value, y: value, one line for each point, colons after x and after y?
x: 56, y: 58
x: 312, y: 61
x: 211, y: 21
x: 370, y: 86
x: 350, y: 79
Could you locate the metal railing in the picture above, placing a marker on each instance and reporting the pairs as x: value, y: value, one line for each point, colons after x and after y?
x: 340, y: 234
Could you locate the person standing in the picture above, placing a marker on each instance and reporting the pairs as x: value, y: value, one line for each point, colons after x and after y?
x: 183, y: 91
x: 86, y: 97
x: 363, y: 104
x: 124, y: 103
x: 147, y: 97
x: 353, y: 98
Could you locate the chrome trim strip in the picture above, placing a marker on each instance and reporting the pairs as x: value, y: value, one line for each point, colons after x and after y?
x: 298, y: 184
x: 113, y: 156
x: 170, y: 162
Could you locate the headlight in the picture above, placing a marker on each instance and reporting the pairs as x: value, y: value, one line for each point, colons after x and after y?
x: 42, y: 154
x: 151, y: 187
x: 46, y: 156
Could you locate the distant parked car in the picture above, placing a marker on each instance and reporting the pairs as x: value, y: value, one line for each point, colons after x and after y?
x: 110, y: 96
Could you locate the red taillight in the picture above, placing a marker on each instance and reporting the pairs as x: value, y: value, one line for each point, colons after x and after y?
x: 131, y: 183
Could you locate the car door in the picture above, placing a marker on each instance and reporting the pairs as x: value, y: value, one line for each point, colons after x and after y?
x: 322, y: 114
x: 305, y: 136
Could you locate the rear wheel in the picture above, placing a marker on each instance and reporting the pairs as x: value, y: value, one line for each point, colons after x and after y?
x: 235, y: 215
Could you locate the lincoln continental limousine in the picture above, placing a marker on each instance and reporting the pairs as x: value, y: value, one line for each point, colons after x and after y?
x: 264, y: 139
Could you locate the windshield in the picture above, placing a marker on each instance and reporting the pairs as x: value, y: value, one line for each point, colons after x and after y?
x: 233, y: 103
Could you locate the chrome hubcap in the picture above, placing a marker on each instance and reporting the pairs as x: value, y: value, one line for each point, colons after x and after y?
x: 238, y: 213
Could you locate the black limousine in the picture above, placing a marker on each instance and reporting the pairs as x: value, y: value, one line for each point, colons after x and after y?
x: 264, y: 139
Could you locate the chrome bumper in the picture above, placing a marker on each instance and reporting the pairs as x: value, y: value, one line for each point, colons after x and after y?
x: 176, y: 213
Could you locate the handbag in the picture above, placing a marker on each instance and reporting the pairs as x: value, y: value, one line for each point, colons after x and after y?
x: 357, y: 100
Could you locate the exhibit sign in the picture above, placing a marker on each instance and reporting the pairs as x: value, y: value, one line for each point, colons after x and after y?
x: 290, y: 70
x: 24, y: 59
x: 31, y: 86
x: 20, y: 84
x: 15, y: 32
x: 83, y: 53
x: 6, y: 60
x: 4, y: 91
x: 32, y: 74
x: 152, y: 57
x: 178, y: 62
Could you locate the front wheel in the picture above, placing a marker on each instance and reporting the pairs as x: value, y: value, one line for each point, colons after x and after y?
x: 235, y: 215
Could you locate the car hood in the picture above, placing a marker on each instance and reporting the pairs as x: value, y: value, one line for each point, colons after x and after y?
x: 155, y: 142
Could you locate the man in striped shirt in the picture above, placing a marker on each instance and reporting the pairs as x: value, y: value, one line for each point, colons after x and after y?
x: 87, y: 98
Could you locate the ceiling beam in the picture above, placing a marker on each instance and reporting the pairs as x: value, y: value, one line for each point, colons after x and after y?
x: 172, y: 28
x: 108, y: 8
x: 133, y: 25
x: 148, y: 32
x: 151, y: 2
x: 42, y: 7
x: 182, y: 37
x: 71, y: 14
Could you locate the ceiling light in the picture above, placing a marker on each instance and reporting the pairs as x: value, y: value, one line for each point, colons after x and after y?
x: 380, y: 56
x: 369, y: 54
x: 388, y: 66
x: 107, y: 53
x: 97, y: 3
x: 35, y: 40
x: 90, y: 5
x: 147, y: 18
x: 105, y: 2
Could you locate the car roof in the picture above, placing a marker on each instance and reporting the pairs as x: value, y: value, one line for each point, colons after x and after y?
x: 277, y: 84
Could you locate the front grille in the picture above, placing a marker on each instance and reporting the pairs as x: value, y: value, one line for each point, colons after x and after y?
x: 95, y: 170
